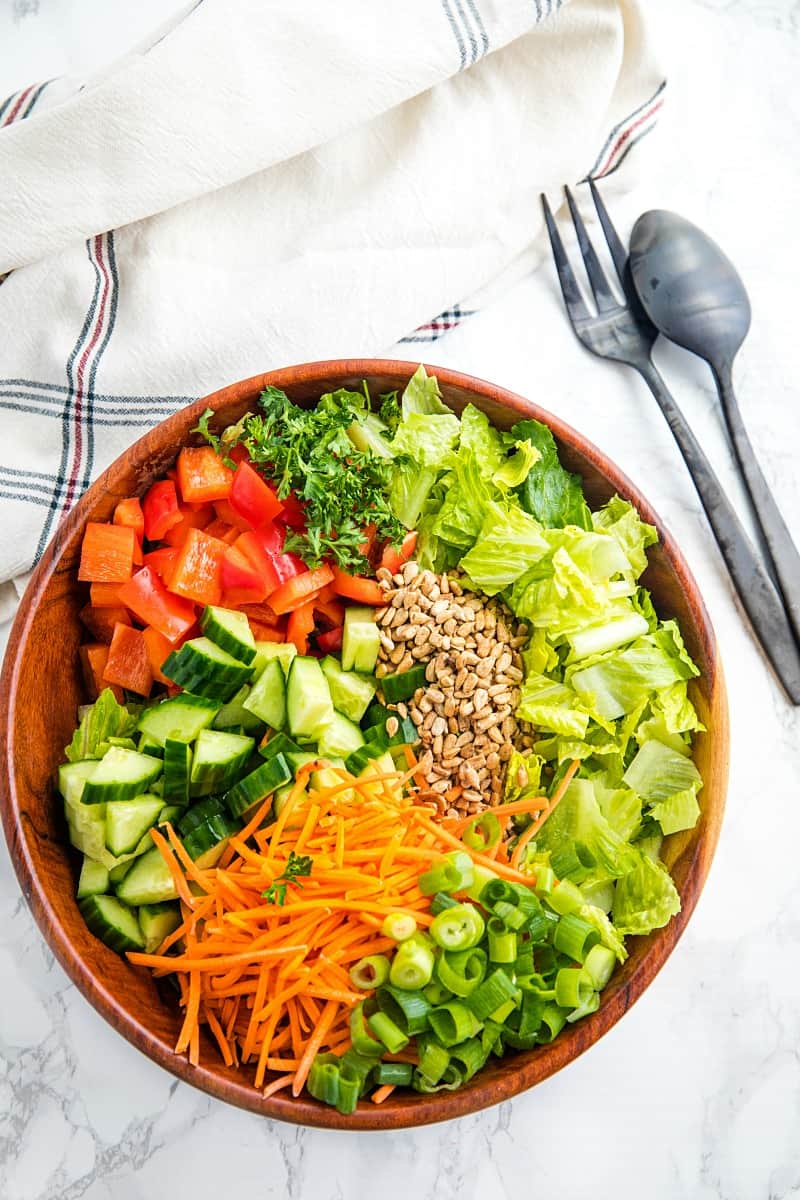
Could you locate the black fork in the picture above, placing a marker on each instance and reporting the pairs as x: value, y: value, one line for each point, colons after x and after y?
x: 621, y: 331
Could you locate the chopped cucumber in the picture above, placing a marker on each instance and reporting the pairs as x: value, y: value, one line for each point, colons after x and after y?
x: 338, y: 737
x: 360, y: 640
x: 230, y: 631
x: 296, y: 761
x: 280, y: 798
x: 158, y: 921
x: 127, y: 821
x: 403, y: 685
x: 407, y: 733
x: 112, y: 922
x: 181, y: 718
x: 93, y: 879
x: 267, y: 699
x: 171, y: 813
x: 256, y: 786
x: 235, y: 714
x: 118, y: 873
x: 376, y: 714
x: 149, y: 745
x: 201, y: 812
x: 350, y: 693
x: 218, y: 761
x: 177, y: 771
x: 121, y: 774
x: 204, y: 669
x: 279, y: 743
x: 266, y: 651
x: 328, y: 776
x: 202, y: 838
x: 72, y: 778
x: 381, y: 766
x: 308, y: 698
x: 358, y: 759
x: 149, y: 881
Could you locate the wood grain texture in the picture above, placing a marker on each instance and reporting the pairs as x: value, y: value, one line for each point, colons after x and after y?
x: 42, y: 687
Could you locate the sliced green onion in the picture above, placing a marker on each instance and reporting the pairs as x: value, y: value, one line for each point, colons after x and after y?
x: 501, y: 1014
x: 522, y: 1029
x: 565, y: 897
x: 412, y: 965
x: 492, y: 1037
x: 538, y: 927
x: 553, y: 1021
x: 575, y: 937
x: 453, y: 1023
x: 544, y: 880
x: 523, y: 964
x: 509, y: 914
x: 536, y: 985
x: 526, y: 898
x: 460, y: 861
x: 387, y: 1032
x: 502, y: 941
x: 481, y: 876
x: 497, y: 889
x: 461, y: 971
x: 396, y: 1073
x: 399, y: 926
x: 450, y: 1081
x: 458, y: 928
x: 599, y: 965
x: 434, y: 1059
x: 441, y: 901
x: 363, y: 1043
x: 370, y: 972
x: 483, y: 833
x: 349, y: 1091
x: 323, y: 1079
x: 573, y: 987
x: 567, y: 864
x: 409, y: 1010
x: 435, y: 993
x: 544, y: 958
x: 470, y: 1055
x: 495, y: 990
x: 443, y: 877
x: 589, y: 1005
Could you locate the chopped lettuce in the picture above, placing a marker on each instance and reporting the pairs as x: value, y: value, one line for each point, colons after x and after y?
x: 578, y: 820
x: 613, y: 684
x: 645, y: 898
x: 550, y: 493
x: 517, y: 466
x: 621, y: 520
x: 508, y: 542
x: 609, y: 936
x: 677, y: 812
x: 410, y: 487
x: 549, y: 704
x: 658, y: 772
x: 422, y: 394
x: 101, y: 722
x: 427, y: 438
x: 466, y: 498
x: 482, y: 439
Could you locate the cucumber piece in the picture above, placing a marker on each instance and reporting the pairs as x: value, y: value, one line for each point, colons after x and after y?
x: 256, y: 786
x: 177, y: 769
x: 358, y: 759
x: 121, y: 774
x: 376, y: 714
x: 112, y: 922
x: 218, y: 761
x: 266, y: 651
x: 267, y: 699
x: 126, y: 742
x: 300, y: 759
x: 118, y: 873
x: 127, y: 821
x: 148, y: 881
x: 180, y: 717
x: 93, y: 879
x: 308, y: 698
x: 279, y: 743
x: 72, y: 778
x: 149, y: 745
x: 327, y: 777
x: 407, y: 733
x: 234, y: 714
x: 280, y: 798
x: 350, y: 693
x: 156, y: 922
x: 381, y: 766
x: 201, y: 812
x: 361, y: 639
x: 171, y: 813
x: 338, y: 737
x: 204, y: 669
x: 230, y: 631
x: 209, y: 836
x: 402, y: 685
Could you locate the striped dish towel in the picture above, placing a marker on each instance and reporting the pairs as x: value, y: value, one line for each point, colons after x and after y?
x: 263, y: 183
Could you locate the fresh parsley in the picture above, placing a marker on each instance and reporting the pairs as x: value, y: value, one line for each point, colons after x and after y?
x: 297, y: 866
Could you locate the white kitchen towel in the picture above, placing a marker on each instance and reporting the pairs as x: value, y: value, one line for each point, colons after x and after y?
x: 264, y: 183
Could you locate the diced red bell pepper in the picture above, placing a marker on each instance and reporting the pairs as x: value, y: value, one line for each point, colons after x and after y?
x: 222, y: 530
x: 93, y: 663
x: 299, y: 589
x: 393, y: 558
x: 329, y: 610
x: 252, y: 497
x: 198, y: 516
x: 293, y: 514
x: 242, y: 582
x: 104, y: 595
x: 128, y: 664
x: 129, y: 512
x: 197, y: 573
x: 301, y: 624
x: 266, y: 633
x: 106, y: 553
x: 226, y: 512
x: 368, y: 545
x: 202, y: 475
x: 162, y: 561
x: 161, y: 510
x: 331, y: 641
x: 158, y: 647
x: 356, y: 587
x: 101, y: 622
x: 262, y: 613
x: 264, y: 563
x: 238, y: 453
x: 146, y: 597
x: 272, y: 536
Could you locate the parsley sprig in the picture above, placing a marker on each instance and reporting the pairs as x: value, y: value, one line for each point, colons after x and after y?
x: 297, y: 866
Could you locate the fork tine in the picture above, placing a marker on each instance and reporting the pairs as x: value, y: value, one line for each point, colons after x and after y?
x: 618, y: 251
x: 575, y: 304
x: 604, y: 297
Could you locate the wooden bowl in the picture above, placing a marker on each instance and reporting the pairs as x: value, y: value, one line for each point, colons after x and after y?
x: 42, y: 687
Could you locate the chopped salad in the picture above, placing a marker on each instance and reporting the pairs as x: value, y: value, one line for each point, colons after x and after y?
x: 385, y: 736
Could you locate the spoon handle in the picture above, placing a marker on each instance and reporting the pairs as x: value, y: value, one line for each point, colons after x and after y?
x: 756, y: 590
x: 782, y: 550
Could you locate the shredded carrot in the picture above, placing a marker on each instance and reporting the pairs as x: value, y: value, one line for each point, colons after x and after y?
x: 536, y: 825
x: 382, y: 1093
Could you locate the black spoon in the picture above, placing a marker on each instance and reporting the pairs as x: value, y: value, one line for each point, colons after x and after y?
x: 693, y: 295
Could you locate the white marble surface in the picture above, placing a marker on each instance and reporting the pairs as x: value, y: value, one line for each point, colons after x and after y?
x: 696, y: 1094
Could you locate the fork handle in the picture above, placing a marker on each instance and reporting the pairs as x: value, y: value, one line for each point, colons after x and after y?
x: 782, y: 550
x: 756, y: 590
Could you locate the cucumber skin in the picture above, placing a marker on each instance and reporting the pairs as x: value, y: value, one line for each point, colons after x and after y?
x: 214, y: 623
x: 92, y: 910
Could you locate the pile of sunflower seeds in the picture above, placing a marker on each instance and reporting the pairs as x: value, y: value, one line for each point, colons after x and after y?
x: 465, y: 713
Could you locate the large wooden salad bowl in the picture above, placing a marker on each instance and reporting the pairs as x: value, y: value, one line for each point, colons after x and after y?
x: 42, y: 687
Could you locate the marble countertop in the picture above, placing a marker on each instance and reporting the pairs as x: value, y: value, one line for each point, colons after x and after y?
x: 696, y: 1093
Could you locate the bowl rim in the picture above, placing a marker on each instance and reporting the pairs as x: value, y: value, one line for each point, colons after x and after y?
x: 531, y: 1067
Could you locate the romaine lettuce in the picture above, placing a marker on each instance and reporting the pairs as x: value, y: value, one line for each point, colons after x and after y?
x: 579, y: 820
x: 551, y: 494
x: 621, y: 520
x: 645, y: 898
x: 103, y: 720
x: 508, y: 542
x: 658, y: 772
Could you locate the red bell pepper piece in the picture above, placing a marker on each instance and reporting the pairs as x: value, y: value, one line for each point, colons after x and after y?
x: 252, y: 497
x: 301, y: 624
x: 162, y: 561
x: 263, y: 613
x: 128, y: 665
x: 104, y: 595
x: 197, y: 573
x: 253, y: 550
x: 299, y: 589
x: 93, y: 663
x: 146, y: 597
x: 101, y: 621
x: 195, y: 516
x: 331, y: 641
x: 106, y: 553
x: 129, y: 513
x: 294, y: 514
x: 161, y: 510
x: 266, y: 633
x: 393, y: 557
x: 331, y: 611
x: 241, y: 581
x: 158, y: 647
x: 226, y: 512
x: 356, y: 587
x: 202, y: 475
